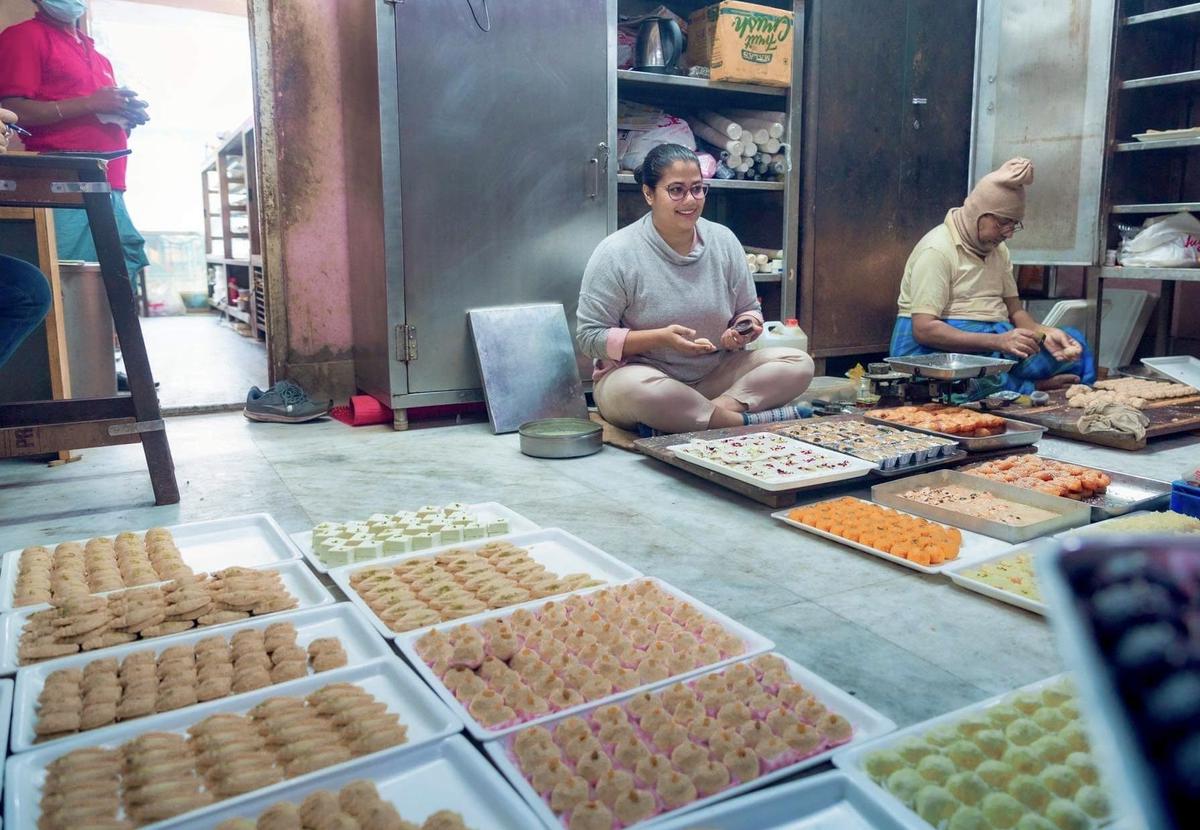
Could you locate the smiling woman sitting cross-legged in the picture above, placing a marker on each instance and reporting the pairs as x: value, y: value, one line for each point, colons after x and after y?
x: 666, y: 310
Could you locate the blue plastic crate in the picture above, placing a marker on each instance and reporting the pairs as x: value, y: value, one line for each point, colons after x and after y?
x: 1185, y: 498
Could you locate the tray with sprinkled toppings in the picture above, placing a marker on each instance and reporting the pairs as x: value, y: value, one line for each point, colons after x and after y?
x: 773, y: 462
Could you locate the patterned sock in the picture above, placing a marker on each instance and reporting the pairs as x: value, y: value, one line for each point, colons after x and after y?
x: 783, y: 413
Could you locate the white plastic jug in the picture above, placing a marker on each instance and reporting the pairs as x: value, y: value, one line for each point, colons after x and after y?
x: 787, y: 334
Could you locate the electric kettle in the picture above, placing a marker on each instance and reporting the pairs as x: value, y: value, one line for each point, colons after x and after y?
x: 659, y: 45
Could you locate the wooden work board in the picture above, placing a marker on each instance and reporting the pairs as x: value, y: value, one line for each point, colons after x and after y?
x: 660, y: 449
x: 1167, y: 417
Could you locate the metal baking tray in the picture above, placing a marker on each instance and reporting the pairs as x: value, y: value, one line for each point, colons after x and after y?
x: 1181, y: 368
x: 450, y: 775
x: 388, y: 680
x: 1070, y: 513
x: 919, y: 466
x: 754, y: 643
x: 340, y: 620
x: 561, y: 553
x: 951, y: 366
x: 1016, y: 434
x: 828, y: 801
x: 868, y: 725
x: 298, y: 579
x: 1125, y: 494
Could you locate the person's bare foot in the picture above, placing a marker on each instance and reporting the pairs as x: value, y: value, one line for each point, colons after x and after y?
x: 1055, y: 382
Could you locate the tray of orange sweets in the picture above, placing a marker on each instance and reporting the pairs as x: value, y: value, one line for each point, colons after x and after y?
x: 899, y: 537
x: 975, y: 431
x: 1107, y: 492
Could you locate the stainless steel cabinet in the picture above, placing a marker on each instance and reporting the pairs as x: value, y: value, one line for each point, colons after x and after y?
x: 495, y: 132
x: 1042, y: 91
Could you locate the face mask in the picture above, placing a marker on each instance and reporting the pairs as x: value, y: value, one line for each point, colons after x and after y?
x: 64, y: 11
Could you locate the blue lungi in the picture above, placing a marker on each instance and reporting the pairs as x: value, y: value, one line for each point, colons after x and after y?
x: 1022, y: 377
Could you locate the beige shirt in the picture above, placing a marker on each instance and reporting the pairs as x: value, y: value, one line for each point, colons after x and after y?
x: 943, y: 278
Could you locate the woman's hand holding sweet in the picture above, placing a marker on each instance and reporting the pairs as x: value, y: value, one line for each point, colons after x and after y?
x: 682, y: 339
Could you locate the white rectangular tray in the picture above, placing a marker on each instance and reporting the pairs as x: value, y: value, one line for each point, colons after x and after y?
x: 856, y: 467
x: 6, y: 708
x: 755, y: 644
x: 975, y: 547
x: 849, y: 760
x: 1181, y: 368
x: 1168, y: 135
x: 341, y: 620
x: 297, y: 578
x: 558, y: 550
x: 868, y: 725
x: 448, y: 775
x: 958, y: 576
x: 485, y: 510
x: 388, y: 680
x: 248, y: 541
x: 957, y: 572
x: 829, y: 801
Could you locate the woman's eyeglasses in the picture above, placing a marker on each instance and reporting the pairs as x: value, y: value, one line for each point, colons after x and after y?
x: 678, y: 191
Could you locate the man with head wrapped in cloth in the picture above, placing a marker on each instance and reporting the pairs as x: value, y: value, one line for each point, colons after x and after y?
x: 959, y: 294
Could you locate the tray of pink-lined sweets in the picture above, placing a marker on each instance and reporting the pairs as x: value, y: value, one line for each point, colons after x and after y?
x: 679, y: 746
x: 515, y: 667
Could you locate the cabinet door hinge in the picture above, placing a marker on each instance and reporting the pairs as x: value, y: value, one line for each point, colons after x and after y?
x: 406, y: 343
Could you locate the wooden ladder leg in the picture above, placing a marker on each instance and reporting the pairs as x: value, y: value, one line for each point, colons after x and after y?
x: 103, y: 225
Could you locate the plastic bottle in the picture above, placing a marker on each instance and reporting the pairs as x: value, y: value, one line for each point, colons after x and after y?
x: 786, y: 334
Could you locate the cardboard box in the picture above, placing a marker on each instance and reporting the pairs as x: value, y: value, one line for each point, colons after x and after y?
x: 743, y: 43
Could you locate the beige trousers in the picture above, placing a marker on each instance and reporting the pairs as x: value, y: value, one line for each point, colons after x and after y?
x: 761, y: 379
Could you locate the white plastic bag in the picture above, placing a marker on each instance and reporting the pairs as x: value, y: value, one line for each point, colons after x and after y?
x: 1165, y: 242
x: 670, y: 130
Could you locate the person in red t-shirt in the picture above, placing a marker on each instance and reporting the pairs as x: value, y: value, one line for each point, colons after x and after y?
x: 67, y: 97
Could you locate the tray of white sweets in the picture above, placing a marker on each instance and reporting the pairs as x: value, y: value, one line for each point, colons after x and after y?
x: 829, y: 801
x: 192, y: 761
x: 573, y: 653
x: 402, y: 593
x: 226, y: 662
x: 773, y: 462
x: 449, y: 780
x: 1025, y: 753
x: 335, y: 544
x: 128, y: 559
x: 95, y: 625
x: 636, y: 760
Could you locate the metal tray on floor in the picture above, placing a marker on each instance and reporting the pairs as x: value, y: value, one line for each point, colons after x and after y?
x: 1016, y: 434
x: 1070, y: 514
x: 951, y: 366
x: 1125, y: 493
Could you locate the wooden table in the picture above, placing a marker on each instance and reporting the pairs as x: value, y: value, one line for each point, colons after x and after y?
x: 34, y: 180
x: 660, y: 448
x: 1167, y: 417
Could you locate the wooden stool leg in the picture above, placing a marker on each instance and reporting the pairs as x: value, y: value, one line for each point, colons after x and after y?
x: 133, y: 347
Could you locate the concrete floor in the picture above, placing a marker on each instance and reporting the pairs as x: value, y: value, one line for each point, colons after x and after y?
x: 913, y: 646
x: 200, y: 361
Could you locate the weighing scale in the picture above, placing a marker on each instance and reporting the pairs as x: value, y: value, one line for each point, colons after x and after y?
x: 930, y: 378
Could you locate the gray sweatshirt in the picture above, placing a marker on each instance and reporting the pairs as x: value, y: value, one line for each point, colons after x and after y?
x: 636, y: 281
